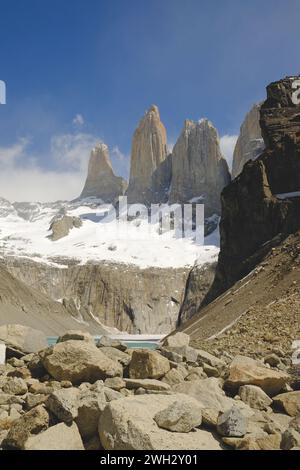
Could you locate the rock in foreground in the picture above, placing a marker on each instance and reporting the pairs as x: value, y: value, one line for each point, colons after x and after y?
x: 128, y: 424
x: 246, y: 371
x: 79, y: 361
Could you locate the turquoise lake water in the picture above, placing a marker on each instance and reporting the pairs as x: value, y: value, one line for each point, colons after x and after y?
x: 130, y: 344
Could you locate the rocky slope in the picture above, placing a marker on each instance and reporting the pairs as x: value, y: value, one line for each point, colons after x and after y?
x: 148, y: 153
x: 250, y: 143
x: 29, y: 305
x: 260, y: 312
x: 76, y: 396
x: 101, y: 181
x: 262, y: 205
x: 198, y: 168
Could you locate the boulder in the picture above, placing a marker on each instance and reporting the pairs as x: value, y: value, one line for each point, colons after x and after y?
x: 204, y: 357
x: 116, y: 383
x: 291, y: 436
x: 31, y: 423
x: 64, y: 404
x: 271, y: 442
x: 58, y: 437
x: 15, y: 386
x: 147, y: 384
x: 180, y: 416
x: 255, y: 397
x: 89, y: 408
x: 289, y: 402
x: 171, y: 355
x: 211, y: 396
x: 79, y: 361
x: 210, y: 371
x: 62, y: 224
x: 23, y: 338
x: 128, y: 424
x: 76, y: 335
x: 33, y: 400
x: 173, y: 377
x: 110, y: 342
x: 20, y: 372
x: 290, y: 439
x: 176, y: 340
x: 246, y: 371
x: 146, y: 364
x: 116, y: 355
x: 232, y: 423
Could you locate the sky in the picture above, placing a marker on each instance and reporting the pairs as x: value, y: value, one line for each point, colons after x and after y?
x: 81, y: 71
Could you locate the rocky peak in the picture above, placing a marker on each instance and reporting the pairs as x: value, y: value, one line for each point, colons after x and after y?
x: 149, y: 150
x: 250, y: 143
x: 101, y: 181
x: 262, y: 205
x: 198, y: 168
x: 99, y: 160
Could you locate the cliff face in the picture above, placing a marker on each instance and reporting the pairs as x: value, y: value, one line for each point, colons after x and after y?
x: 30, y: 306
x: 101, y: 181
x: 198, y: 168
x: 149, y: 152
x: 250, y: 143
x: 255, y: 213
x: 117, y: 295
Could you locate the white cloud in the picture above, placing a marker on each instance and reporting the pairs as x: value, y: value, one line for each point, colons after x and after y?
x: 78, y: 120
x: 9, y: 155
x: 36, y: 184
x: 227, y: 144
x: 22, y: 179
x: 72, y: 150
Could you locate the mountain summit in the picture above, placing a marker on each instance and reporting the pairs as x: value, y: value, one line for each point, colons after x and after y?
x: 101, y: 181
x: 149, y: 151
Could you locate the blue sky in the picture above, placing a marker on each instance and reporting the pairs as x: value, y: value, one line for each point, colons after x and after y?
x: 85, y: 70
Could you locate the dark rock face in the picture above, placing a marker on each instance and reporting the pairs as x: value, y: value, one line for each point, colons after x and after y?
x: 254, y: 217
x: 250, y: 143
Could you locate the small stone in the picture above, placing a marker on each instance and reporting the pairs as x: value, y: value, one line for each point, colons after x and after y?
x: 106, y: 341
x: 15, y: 386
x: 77, y: 336
x: 147, y: 384
x: 211, y: 371
x: 116, y: 383
x: 272, y: 359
